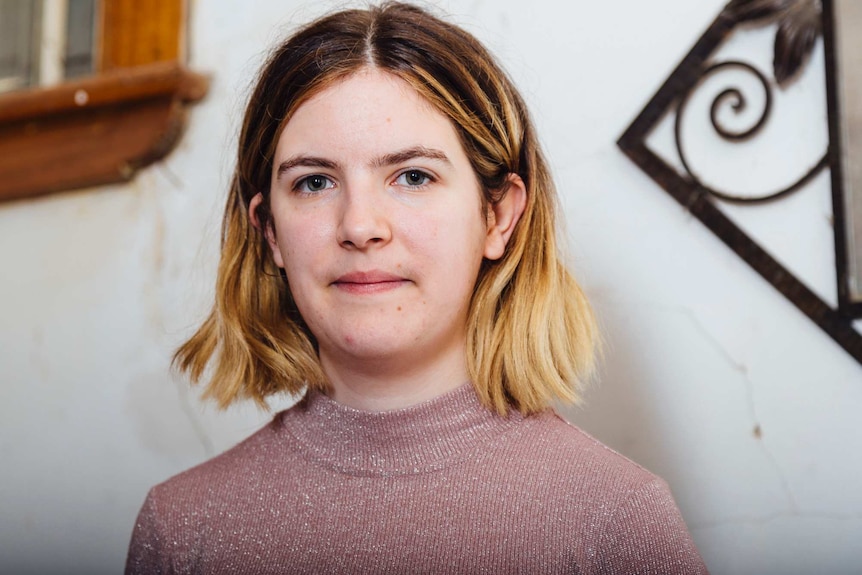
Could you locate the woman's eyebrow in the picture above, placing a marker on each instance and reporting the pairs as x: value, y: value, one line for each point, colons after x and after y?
x: 408, y: 154
x: 393, y: 158
x: 304, y: 161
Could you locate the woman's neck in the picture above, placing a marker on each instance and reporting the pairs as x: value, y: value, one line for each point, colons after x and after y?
x: 384, y: 385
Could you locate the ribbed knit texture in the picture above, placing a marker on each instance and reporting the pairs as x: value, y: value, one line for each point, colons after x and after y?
x: 443, y: 487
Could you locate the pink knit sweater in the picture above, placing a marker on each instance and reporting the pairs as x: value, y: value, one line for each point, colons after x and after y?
x: 443, y: 487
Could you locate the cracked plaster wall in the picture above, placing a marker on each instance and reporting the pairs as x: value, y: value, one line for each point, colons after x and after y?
x: 710, y: 378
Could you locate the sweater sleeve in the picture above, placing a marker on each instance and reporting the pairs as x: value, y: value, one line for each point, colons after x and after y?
x: 647, y: 535
x: 147, y: 548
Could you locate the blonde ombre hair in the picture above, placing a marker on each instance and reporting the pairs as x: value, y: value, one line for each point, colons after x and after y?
x: 531, y: 333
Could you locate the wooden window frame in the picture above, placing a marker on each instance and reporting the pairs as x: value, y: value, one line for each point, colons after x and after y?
x: 103, y: 128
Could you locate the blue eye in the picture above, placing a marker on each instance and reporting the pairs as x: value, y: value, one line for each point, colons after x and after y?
x: 313, y: 183
x: 413, y: 178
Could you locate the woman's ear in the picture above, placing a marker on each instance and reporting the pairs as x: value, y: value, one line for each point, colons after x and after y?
x: 503, y: 216
x: 267, y: 230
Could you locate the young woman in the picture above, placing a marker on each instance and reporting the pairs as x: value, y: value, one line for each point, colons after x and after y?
x: 389, y: 254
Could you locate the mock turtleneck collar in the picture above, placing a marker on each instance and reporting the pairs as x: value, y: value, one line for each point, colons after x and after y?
x: 416, y: 439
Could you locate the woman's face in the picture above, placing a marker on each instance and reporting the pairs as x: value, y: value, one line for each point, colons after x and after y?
x: 377, y: 220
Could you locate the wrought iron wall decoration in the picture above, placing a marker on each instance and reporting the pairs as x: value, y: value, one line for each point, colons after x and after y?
x: 798, y: 25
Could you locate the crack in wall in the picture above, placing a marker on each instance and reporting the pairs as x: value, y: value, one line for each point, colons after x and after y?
x: 742, y: 369
x: 168, y: 173
x: 793, y: 510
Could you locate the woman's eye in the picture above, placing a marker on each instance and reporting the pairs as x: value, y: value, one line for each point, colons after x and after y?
x: 313, y: 183
x: 413, y: 178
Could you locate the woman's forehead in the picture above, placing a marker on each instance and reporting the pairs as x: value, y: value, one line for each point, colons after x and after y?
x: 367, y: 113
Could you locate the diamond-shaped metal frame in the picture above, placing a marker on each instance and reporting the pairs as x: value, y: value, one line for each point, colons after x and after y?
x: 688, y: 191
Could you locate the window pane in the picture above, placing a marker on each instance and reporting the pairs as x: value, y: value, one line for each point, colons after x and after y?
x: 848, y: 19
x: 80, y: 28
x: 19, y: 29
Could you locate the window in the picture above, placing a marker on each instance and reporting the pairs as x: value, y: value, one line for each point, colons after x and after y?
x: 90, y: 90
x: 45, y: 42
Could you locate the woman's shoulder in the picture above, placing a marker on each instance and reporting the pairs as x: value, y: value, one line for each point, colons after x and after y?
x: 245, y: 462
x: 563, y: 452
x: 625, y: 512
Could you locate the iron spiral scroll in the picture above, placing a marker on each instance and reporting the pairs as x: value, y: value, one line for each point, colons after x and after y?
x: 735, y: 98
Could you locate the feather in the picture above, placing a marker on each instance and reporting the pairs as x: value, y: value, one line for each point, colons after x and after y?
x: 795, y: 39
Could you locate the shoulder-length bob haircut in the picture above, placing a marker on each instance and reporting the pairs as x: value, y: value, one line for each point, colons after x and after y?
x: 531, y: 333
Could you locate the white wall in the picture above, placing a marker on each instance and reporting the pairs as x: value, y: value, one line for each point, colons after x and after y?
x: 98, y: 287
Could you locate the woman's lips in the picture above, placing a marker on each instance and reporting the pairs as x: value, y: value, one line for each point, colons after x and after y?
x: 368, y: 282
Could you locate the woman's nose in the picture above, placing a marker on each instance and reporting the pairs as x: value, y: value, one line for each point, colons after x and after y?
x: 363, y: 222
